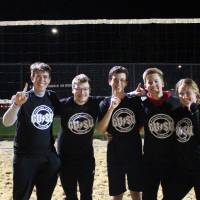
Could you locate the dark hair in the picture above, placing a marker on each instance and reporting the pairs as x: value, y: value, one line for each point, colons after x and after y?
x: 40, y: 66
x: 117, y: 70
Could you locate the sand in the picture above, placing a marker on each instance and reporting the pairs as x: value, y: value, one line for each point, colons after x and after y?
x: 100, y: 191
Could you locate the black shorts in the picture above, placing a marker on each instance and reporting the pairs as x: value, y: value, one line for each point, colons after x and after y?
x: 80, y: 172
x: 117, y: 179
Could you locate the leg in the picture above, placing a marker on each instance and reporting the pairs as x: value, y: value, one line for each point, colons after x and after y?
x: 47, y: 177
x: 176, y: 185
x: 86, y: 179
x: 136, y: 195
x: 151, y: 181
x: 24, y: 169
x: 118, y: 197
x: 197, y: 192
x: 175, y: 191
x: 116, y: 181
x: 134, y: 178
x: 68, y: 177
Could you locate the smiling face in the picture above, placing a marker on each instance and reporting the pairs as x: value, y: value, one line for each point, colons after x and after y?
x: 40, y: 80
x: 81, y: 92
x: 118, y: 82
x: 154, y: 85
x: 186, y: 95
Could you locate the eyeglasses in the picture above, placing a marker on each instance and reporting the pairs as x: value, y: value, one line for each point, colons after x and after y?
x: 81, y: 89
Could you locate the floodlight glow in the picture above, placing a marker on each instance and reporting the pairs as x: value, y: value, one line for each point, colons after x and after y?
x: 179, y: 66
x: 54, y: 30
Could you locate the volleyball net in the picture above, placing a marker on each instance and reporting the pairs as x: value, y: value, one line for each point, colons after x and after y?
x: 93, y: 46
x: 101, y: 41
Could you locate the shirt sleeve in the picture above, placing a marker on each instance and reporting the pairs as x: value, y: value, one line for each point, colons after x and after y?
x: 103, y: 107
x: 11, y: 115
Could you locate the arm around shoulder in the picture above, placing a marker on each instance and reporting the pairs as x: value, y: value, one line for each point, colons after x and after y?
x: 102, y: 124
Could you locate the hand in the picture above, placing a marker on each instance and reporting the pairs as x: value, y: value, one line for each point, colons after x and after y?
x: 20, y: 97
x: 140, y: 91
x: 115, y: 101
x: 108, y: 136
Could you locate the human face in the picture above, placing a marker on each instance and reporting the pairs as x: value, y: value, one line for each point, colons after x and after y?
x: 81, y: 93
x: 118, y: 83
x: 154, y: 85
x: 40, y: 80
x: 186, y: 95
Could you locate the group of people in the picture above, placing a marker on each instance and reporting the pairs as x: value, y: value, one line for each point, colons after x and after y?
x: 170, y: 155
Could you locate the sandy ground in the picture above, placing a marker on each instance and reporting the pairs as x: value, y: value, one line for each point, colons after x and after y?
x: 100, y: 183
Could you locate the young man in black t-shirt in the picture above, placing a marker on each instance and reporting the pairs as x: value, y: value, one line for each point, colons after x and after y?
x: 35, y: 160
x: 158, y: 158
x: 75, y: 142
x: 121, y: 116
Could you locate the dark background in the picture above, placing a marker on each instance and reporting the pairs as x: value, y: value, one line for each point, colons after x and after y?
x: 94, y: 49
x: 95, y: 9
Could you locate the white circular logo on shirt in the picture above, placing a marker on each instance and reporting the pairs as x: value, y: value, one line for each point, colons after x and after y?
x: 184, y: 130
x: 161, y: 126
x: 81, y: 123
x: 42, y: 117
x: 123, y: 120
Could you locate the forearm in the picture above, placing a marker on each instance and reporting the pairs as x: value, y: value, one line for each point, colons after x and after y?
x: 10, y: 116
x: 132, y: 93
x: 102, y: 125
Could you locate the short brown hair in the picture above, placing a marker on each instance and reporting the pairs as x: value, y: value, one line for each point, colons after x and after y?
x: 81, y: 78
x: 117, y: 70
x: 152, y: 70
x: 40, y: 66
x: 191, y: 84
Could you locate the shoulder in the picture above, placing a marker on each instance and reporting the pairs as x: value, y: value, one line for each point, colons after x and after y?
x: 50, y: 93
x: 96, y: 99
x: 66, y: 100
x: 105, y: 101
x: 174, y: 101
x: 134, y: 98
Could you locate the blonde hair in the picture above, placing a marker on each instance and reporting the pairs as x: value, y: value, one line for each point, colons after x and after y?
x: 81, y: 78
x: 191, y: 84
x: 152, y: 70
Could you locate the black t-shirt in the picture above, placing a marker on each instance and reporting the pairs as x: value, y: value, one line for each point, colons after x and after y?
x: 34, y: 124
x: 159, y: 131
x: 187, y: 144
x: 77, y: 122
x: 125, y: 147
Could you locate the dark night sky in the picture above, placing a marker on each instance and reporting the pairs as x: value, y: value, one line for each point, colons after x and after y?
x: 93, y: 9
x: 139, y: 44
